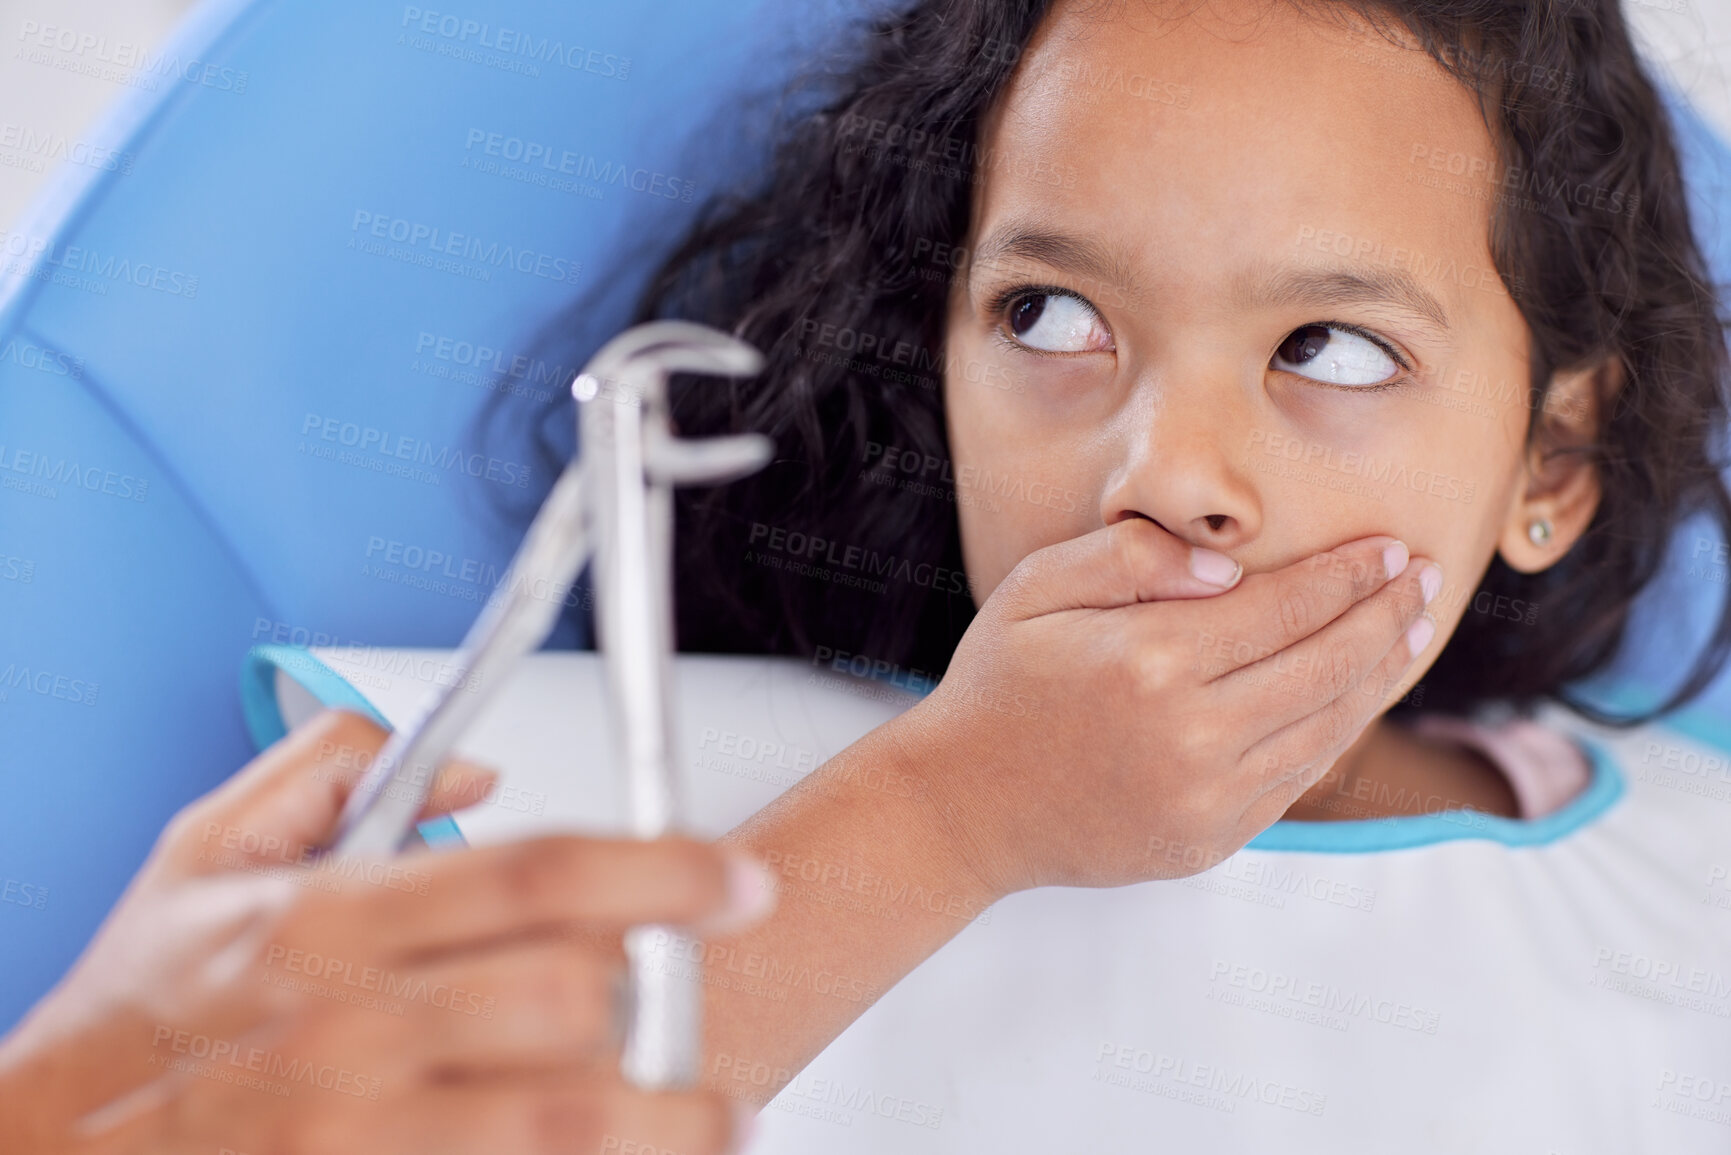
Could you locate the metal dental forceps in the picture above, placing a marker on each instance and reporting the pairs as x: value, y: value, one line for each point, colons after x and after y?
x: 614, y: 501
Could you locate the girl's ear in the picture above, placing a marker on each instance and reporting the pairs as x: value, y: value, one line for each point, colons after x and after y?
x: 1562, y: 491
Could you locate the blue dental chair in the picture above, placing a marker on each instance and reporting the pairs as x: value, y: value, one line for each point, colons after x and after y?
x: 246, y: 351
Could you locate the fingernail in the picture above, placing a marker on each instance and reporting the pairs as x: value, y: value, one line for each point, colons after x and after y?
x: 1419, y: 634
x: 1394, y: 559
x: 744, y: 1125
x: 1430, y: 582
x: 1214, y: 568
x: 750, y: 896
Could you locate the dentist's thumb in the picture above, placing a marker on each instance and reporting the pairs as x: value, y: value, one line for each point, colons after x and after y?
x: 288, y: 799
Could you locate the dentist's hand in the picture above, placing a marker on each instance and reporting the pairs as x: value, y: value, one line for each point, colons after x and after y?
x: 242, y: 998
x: 1111, y: 717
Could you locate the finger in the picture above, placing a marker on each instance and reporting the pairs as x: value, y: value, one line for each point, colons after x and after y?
x: 1295, y: 682
x: 1295, y: 757
x: 543, y: 1003
x: 286, y: 802
x: 288, y: 755
x: 460, y: 785
x: 1271, y: 611
x: 475, y: 897
x: 1131, y: 561
x: 555, y: 1114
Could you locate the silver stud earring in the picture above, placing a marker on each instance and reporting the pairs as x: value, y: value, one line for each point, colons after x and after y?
x: 1539, y: 531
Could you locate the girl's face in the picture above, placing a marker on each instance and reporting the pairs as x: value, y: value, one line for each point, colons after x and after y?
x: 1230, y: 271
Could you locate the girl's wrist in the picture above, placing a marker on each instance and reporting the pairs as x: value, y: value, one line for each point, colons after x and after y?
x: 956, y: 832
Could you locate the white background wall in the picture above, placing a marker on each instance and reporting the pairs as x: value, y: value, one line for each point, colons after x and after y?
x: 1691, y: 39
x: 44, y: 100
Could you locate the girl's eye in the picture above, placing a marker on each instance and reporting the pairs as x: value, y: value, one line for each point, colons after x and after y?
x: 1057, y: 323
x: 1336, y: 356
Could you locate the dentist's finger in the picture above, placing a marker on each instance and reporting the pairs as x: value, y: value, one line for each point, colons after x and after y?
x: 1297, y: 681
x: 1271, y: 611
x: 1131, y: 561
x: 475, y: 897
x: 522, y: 1005
x: 288, y: 799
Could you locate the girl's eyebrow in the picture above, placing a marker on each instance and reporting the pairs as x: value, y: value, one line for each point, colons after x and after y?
x: 1265, y: 286
x: 1329, y: 285
x: 1080, y: 256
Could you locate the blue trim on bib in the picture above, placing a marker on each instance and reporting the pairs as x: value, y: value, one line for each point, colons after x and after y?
x: 264, y: 721
x: 258, y: 690
x: 1403, y: 832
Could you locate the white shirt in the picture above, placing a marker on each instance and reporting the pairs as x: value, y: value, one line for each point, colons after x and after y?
x: 1449, y: 983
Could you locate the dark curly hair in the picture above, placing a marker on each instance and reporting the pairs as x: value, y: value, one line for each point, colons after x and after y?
x: 837, y: 238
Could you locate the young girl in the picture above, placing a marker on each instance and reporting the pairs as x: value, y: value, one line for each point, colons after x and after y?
x: 1075, y: 313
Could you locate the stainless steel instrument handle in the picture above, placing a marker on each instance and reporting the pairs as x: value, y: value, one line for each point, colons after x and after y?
x: 614, y: 504
x: 635, y: 460
x: 381, y: 812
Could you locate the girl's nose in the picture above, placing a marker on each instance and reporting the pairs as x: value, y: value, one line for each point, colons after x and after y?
x: 1185, y: 468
